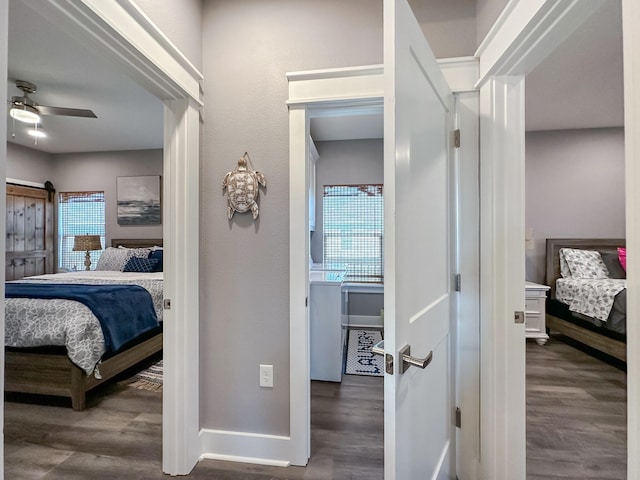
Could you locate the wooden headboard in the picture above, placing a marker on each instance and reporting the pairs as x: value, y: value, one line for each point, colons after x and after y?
x: 136, y: 242
x: 553, y: 256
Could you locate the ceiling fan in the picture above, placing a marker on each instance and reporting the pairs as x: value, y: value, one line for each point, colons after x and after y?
x: 26, y: 110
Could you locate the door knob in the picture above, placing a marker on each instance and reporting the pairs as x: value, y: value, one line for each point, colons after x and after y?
x: 408, y: 360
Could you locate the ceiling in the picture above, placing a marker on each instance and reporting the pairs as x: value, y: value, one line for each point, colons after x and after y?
x: 578, y: 86
x: 69, y: 75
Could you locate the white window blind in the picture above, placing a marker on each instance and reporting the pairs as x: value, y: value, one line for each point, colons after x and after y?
x: 79, y: 213
x: 353, y: 230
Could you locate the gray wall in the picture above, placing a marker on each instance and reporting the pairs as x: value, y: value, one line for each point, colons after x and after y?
x: 98, y: 171
x: 487, y: 12
x: 79, y: 172
x: 574, y: 188
x: 248, y: 47
x: 344, y: 163
x: 449, y: 26
x: 181, y: 22
x: 28, y: 164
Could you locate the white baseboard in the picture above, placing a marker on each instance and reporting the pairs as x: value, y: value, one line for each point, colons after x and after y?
x: 362, y: 321
x: 244, y: 447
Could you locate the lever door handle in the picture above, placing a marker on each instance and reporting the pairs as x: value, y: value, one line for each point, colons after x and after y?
x: 408, y: 360
x: 378, y: 348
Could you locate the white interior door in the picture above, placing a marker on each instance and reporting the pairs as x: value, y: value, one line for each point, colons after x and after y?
x: 418, y: 108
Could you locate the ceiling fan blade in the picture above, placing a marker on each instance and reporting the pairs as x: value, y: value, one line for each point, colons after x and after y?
x: 68, y: 112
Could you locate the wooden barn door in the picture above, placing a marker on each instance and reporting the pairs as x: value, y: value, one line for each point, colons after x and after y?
x: 29, y: 246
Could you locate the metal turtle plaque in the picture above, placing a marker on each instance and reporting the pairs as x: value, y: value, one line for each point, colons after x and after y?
x: 243, y: 184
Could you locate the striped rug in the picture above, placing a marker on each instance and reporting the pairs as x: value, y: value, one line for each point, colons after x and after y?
x: 148, y: 379
x: 360, y: 359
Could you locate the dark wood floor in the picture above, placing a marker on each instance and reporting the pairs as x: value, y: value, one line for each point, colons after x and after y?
x: 576, y: 429
x: 576, y: 414
x: 119, y: 437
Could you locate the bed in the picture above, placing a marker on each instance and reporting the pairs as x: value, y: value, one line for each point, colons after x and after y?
x: 47, y: 369
x: 597, y: 320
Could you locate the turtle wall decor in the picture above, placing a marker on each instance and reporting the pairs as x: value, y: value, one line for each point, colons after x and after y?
x: 243, y: 187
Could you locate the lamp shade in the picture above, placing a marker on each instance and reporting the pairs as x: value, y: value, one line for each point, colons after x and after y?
x: 84, y: 243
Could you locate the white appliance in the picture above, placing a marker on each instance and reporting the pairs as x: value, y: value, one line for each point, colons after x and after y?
x: 326, y: 333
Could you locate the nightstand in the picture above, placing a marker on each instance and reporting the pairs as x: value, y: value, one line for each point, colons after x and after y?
x: 535, y: 311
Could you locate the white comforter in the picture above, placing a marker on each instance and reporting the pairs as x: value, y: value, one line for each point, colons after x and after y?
x: 590, y: 297
x: 35, y: 322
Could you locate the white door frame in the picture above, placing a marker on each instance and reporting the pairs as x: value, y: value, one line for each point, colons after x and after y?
x: 524, y: 34
x: 318, y: 89
x: 322, y: 90
x: 121, y: 32
x: 631, y: 48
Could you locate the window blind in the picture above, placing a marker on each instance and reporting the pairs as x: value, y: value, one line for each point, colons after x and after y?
x: 79, y: 213
x: 353, y: 230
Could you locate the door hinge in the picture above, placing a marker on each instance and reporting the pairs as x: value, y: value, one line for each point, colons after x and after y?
x: 458, y: 282
x: 456, y: 138
x: 458, y: 417
x: 518, y: 317
x: 166, y: 304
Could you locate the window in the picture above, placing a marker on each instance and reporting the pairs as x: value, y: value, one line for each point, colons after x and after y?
x: 353, y: 230
x: 79, y: 213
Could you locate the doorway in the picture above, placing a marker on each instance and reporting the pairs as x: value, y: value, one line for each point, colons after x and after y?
x: 574, y: 137
x: 165, y: 75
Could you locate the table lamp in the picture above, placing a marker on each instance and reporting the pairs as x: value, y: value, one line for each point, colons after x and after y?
x: 86, y: 243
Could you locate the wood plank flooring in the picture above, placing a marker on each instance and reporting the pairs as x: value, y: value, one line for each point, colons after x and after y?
x: 576, y: 429
x: 576, y: 414
x: 120, y: 435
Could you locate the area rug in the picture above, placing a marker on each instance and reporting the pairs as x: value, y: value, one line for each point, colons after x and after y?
x: 360, y: 359
x: 148, y: 379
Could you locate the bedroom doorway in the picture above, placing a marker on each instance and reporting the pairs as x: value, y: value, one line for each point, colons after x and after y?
x: 122, y: 36
x: 574, y: 138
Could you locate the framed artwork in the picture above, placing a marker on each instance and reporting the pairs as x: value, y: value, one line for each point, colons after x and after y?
x: 139, y: 200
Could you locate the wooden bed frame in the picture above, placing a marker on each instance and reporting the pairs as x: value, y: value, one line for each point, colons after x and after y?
x: 54, y: 374
x: 600, y: 342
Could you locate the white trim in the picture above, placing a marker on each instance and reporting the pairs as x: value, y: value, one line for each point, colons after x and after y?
x: 255, y: 461
x: 311, y: 92
x: 631, y: 48
x: 461, y: 73
x: 25, y: 183
x: 4, y: 35
x: 152, y: 29
x: 245, y: 447
x: 525, y: 33
x: 110, y: 29
x: 502, y: 369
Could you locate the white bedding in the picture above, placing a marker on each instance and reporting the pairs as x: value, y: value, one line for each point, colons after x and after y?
x: 591, y: 297
x: 34, y: 322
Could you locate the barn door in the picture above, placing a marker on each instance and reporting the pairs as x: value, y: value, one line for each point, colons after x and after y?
x: 29, y: 230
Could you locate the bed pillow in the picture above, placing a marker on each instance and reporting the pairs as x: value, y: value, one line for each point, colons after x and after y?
x: 622, y: 257
x: 141, y: 264
x: 113, y: 259
x: 564, y: 266
x: 585, y: 263
x: 157, y: 254
x: 612, y: 262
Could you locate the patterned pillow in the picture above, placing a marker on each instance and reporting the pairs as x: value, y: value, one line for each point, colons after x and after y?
x: 140, y: 264
x: 585, y: 263
x: 622, y: 256
x: 564, y: 266
x: 115, y: 259
x: 112, y: 259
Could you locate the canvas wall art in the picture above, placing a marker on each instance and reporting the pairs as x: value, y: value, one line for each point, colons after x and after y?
x: 139, y: 200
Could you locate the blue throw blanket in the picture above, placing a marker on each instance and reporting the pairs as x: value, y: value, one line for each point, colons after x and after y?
x: 124, y: 311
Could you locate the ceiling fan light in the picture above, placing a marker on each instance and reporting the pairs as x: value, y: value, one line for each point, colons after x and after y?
x: 36, y: 133
x: 25, y: 113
